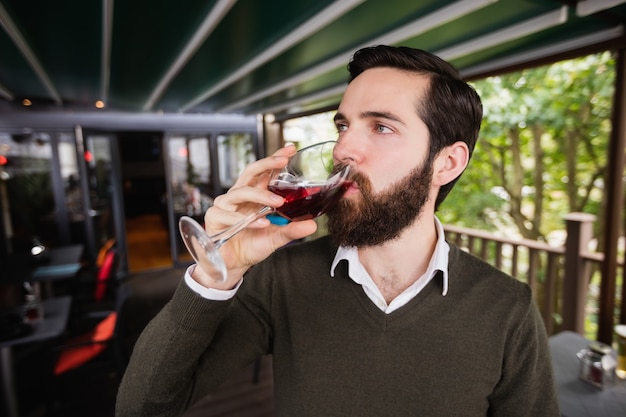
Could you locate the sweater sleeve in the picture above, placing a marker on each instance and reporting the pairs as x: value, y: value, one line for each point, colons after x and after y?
x: 526, y: 388
x: 190, y: 347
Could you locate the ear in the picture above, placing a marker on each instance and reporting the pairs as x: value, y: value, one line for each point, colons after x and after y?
x: 450, y: 163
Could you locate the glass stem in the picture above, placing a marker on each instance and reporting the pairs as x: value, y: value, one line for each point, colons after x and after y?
x: 222, y: 237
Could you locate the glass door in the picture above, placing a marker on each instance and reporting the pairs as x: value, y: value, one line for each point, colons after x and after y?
x: 60, y: 188
x: 94, y: 191
x: 200, y: 167
x: 190, y: 184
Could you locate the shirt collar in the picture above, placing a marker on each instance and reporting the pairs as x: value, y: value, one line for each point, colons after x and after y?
x: 438, y: 261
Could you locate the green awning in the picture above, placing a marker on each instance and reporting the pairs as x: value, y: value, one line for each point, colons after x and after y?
x: 265, y: 56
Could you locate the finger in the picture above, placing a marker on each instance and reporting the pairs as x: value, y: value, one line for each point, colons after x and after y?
x: 262, y: 168
x: 240, y: 253
x: 288, y: 150
x: 217, y: 219
x: 247, y: 199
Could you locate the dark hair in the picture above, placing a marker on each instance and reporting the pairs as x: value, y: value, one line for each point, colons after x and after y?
x: 451, y: 109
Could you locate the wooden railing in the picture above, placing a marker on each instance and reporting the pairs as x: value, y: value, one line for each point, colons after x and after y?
x: 563, y: 279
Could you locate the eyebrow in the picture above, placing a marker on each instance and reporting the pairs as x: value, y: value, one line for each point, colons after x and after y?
x: 372, y: 115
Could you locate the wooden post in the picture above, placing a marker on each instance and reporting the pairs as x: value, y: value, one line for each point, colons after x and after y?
x: 579, y: 232
x: 614, y: 190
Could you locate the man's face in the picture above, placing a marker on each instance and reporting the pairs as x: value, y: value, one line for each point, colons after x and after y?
x: 377, y: 218
x: 382, y: 136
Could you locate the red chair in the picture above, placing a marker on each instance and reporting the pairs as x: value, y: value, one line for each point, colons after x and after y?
x: 90, y: 357
x: 93, y: 321
x: 105, y: 273
x: 104, y: 250
x: 81, y: 349
x: 97, y: 282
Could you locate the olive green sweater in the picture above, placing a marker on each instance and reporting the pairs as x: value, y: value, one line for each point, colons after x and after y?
x: 480, y: 350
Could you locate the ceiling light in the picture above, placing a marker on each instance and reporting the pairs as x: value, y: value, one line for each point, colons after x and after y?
x: 26, y: 102
x: 38, y: 250
x: 100, y: 104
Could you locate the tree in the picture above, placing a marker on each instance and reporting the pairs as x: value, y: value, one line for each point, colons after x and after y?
x: 542, y: 148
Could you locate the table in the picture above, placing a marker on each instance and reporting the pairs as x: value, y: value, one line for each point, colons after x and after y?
x: 64, y: 263
x: 54, y: 323
x: 578, y: 398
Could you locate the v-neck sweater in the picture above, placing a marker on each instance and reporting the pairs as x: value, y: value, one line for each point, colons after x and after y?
x: 480, y: 350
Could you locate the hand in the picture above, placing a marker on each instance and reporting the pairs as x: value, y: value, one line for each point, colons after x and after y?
x: 260, y: 238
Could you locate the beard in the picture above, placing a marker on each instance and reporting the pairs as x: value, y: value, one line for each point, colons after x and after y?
x: 378, y: 218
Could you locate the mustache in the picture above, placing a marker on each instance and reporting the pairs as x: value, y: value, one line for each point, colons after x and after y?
x: 355, y: 176
x: 339, y: 167
x: 362, y: 181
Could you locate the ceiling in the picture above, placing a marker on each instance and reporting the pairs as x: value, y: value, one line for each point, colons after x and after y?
x: 282, y: 57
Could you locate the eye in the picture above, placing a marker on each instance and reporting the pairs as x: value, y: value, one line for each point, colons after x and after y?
x: 383, y: 129
x: 341, y: 127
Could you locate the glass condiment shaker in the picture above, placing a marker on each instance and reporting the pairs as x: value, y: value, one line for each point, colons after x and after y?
x: 597, y: 364
x: 33, y: 307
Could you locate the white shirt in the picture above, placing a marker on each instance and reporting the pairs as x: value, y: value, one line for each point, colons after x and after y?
x: 356, y: 271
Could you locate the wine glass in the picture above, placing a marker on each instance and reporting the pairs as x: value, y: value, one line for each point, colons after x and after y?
x: 310, y: 184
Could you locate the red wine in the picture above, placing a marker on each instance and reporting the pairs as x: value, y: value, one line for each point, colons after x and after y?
x: 303, y: 202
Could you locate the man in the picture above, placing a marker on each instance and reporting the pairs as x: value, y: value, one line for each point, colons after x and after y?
x: 381, y: 318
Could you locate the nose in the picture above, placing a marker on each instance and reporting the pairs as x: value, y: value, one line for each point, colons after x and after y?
x: 345, y: 150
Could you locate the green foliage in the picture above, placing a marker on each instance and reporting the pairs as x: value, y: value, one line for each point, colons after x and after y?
x: 542, y: 150
x: 192, y: 176
x: 31, y: 197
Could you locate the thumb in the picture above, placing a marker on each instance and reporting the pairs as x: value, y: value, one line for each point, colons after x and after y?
x: 294, y: 231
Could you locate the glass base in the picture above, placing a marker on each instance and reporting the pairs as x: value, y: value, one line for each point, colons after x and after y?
x: 202, y: 248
